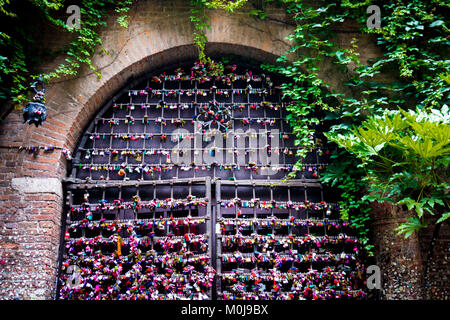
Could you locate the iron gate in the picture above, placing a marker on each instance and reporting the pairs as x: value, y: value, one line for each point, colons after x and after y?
x: 176, y: 192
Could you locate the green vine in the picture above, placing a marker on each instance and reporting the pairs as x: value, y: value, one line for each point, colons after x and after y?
x: 21, y: 50
x: 310, y: 95
x: 200, y: 20
x: 414, y: 40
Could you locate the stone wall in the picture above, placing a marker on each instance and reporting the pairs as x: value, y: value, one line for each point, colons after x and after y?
x: 399, y: 259
x: 437, y: 281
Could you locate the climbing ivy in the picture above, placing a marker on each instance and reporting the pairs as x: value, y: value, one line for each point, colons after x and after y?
x: 22, y: 52
x: 312, y: 42
x: 200, y: 21
x: 414, y: 41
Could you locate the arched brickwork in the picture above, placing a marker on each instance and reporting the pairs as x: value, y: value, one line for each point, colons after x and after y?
x: 158, y: 34
x: 31, y: 194
x: 31, y: 198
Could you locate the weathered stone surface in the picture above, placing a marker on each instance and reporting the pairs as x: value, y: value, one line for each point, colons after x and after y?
x: 37, y: 185
x: 399, y: 259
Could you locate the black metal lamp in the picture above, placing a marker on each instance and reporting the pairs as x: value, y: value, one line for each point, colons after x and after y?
x: 36, y: 112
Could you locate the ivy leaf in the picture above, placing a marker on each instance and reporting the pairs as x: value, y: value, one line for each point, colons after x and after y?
x: 436, y: 23
x: 378, y: 147
x: 340, y: 55
x: 409, y: 227
x: 444, y: 217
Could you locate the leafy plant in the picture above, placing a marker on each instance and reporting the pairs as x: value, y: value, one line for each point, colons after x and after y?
x: 200, y: 21
x: 405, y: 155
x: 414, y: 41
x: 353, y: 206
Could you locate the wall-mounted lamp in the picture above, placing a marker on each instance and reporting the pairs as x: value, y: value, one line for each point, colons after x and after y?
x: 36, y: 112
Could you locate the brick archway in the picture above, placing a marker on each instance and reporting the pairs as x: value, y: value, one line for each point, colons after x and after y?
x: 32, y: 192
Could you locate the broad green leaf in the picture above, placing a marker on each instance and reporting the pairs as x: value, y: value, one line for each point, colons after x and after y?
x: 444, y: 217
x: 436, y: 23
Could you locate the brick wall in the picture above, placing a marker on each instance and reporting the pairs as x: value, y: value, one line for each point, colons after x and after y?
x: 159, y: 34
x: 29, y: 221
